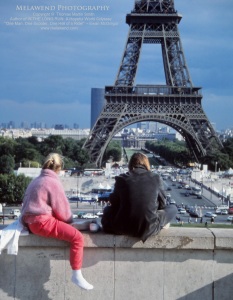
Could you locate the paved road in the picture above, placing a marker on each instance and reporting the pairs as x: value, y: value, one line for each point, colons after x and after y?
x: 208, y: 202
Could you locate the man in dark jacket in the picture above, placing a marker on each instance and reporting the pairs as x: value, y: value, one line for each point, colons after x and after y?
x: 138, y: 203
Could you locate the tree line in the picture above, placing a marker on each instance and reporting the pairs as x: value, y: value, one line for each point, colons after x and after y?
x: 30, y: 152
x: 177, y: 153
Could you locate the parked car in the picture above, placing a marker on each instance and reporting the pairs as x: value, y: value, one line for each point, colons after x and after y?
x: 89, y: 216
x: 221, y: 211
x: 224, y: 212
x: 222, y: 206
x: 104, y: 197
x: 80, y: 214
x: 209, y: 214
x: 188, y: 208
x: 74, y: 198
x: 181, y: 210
x: 230, y: 218
x: 194, y: 214
x: 88, y: 198
x: 172, y: 201
x: 99, y: 213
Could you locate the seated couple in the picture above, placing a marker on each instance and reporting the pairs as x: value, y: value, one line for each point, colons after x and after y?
x: 137, y: 208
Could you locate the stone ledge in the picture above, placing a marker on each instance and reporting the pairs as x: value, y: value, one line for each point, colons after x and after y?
x: 178, y: 263
x: 223, y: 238
x: 173, y: 238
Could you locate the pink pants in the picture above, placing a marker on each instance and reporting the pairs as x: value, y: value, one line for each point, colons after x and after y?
x: 48, y: 226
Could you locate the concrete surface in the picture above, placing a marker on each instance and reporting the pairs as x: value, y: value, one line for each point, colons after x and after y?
x: 179, y: 263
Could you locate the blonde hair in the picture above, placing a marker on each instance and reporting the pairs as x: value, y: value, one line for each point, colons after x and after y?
x: 138, y: 159
x: 53, y: 161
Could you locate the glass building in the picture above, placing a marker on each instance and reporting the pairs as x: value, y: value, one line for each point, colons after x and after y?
x: 97, y: 104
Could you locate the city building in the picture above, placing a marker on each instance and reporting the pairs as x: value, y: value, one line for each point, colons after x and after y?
x: 97, y: 104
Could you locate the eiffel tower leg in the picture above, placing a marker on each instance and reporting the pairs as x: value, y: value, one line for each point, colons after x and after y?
x: 103, y: 131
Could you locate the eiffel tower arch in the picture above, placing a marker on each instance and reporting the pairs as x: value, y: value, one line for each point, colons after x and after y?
x: 176, y: 104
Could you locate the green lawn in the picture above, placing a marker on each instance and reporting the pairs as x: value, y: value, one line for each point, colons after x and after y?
x: 130, y: 152
x: 202, y: 225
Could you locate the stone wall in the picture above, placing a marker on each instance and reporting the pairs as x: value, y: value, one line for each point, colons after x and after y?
x: 179, y: 263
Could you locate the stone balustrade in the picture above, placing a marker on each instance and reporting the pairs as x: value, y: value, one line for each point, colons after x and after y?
x: 178, y: 263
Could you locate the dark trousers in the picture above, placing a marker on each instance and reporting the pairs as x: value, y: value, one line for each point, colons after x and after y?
x: 167, y: 214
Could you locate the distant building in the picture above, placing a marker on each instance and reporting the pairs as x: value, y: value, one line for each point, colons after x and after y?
x: 76, y: 134
x: 29, y: 172
x: 59, y: 127
x: 226, y: 134
x: 15, y: 133
x: 97, y: 104
x: 38, y: 125
x: 143, y: 125
x: 24, y: 125
x: 33, y: 172
x: 153, y: 126
x: 11, y: 125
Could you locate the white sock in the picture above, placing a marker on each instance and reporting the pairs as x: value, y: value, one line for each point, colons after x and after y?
x: 77, y: 278
x: 166, y: 226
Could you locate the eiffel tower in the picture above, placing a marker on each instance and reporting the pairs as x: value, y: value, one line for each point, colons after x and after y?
x: 176, y: 104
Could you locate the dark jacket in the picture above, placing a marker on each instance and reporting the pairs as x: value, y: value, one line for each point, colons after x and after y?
x: 134, y: 203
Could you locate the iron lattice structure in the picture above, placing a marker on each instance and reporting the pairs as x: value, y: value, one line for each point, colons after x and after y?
x: 176, y: 104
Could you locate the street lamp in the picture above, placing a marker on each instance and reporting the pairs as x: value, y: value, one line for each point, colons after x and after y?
x: 216, y: 163
x: 3, y: 213
x: 78, y: 194
x: 222, y: 192
x: 211, y: 192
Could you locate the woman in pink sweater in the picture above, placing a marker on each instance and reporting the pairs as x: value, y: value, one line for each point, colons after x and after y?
x: 46, y: 212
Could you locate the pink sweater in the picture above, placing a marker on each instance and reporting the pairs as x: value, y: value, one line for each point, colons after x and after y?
x: 45, y: 196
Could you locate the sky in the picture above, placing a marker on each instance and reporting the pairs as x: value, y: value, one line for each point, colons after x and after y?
x: 48, y: 67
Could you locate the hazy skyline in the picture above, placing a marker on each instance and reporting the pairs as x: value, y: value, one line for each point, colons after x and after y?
x: 48, y: 68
